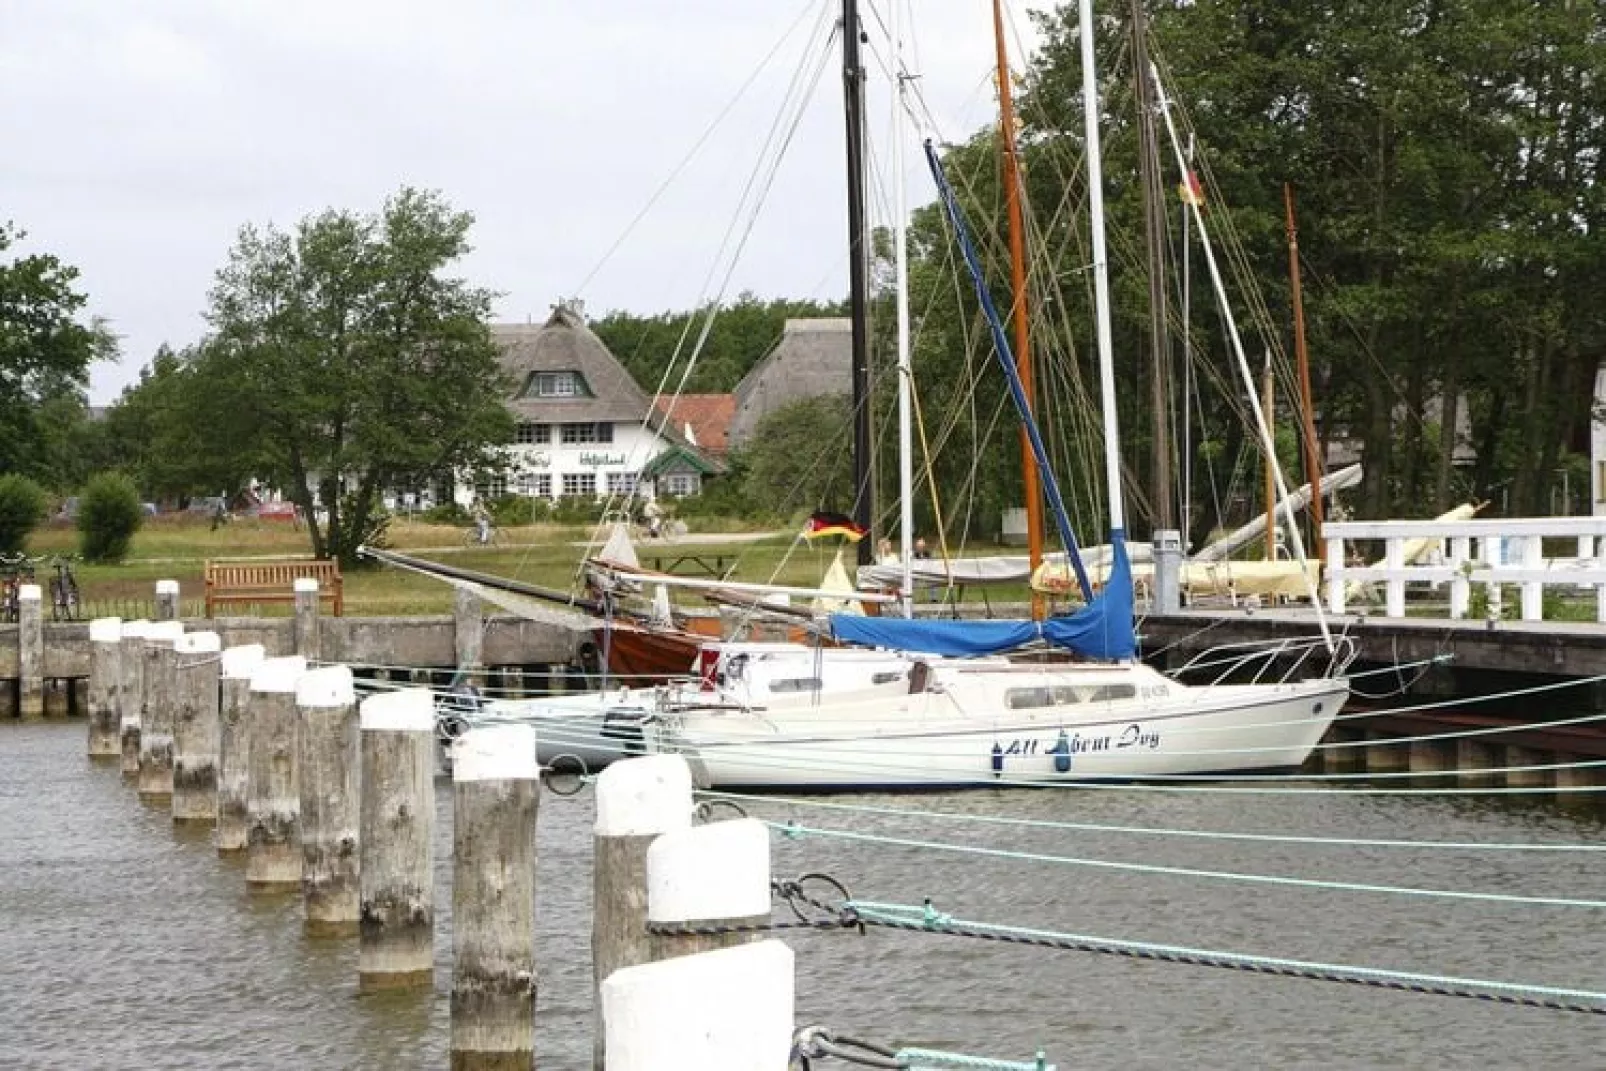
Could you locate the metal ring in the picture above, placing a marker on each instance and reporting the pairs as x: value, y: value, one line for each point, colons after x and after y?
x: 565, y: 775
x: 799, y: 887
x: 705, y: 810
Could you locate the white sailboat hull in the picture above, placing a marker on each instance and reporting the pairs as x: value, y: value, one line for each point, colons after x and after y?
x: 927, y: 741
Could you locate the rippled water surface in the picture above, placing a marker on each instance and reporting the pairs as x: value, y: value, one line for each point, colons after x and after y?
x: 125, y: 944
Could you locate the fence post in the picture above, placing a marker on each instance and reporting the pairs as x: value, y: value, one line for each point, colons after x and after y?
x: 468, y: 632
x: 494, y: 795
x: 156, y: 716
x: 396, y: 839
x: 1533, y: 591
x: 1335, y: 574
x: 167, y: 600
x: 233, y: 757
x: 304, y: 631
x: 30, y: 652
x: 1460, y: 586
x: 273, y: 830
x: 1491, y: 560
x: 1394, y: 589
x: 195, y: 727
x: 728, y: 1010
x: 130, y: 692
x: 709, y: 876
x: 105, y: 675
x: 637, y: 800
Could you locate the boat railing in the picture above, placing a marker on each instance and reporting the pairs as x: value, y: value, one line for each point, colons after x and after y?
x: 1489, y: 553
x: 1277, y: 661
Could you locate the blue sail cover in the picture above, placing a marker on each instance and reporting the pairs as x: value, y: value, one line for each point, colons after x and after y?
x: 1101, y: 629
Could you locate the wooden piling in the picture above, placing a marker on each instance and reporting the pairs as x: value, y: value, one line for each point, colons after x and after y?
x: 233, y: 755
x: 1431, y: 757
x: 195, y: 727
x: 326, y: 706
x: 105, y: 676
x: 1517, y: 756
x: 637, y: 800
x: 30, y: 652
x: 494, y: 796
x: 156, y: 716
x: 709, y: 876
x: 304, y: 630
x: 397, y: 836
x: 167, y: 600
x: 1472, y: 756
x: 130, y: 692
x: 727, y: 1010
x: 1386, y: 755
x: 273, y: 792
x: 468, y: 629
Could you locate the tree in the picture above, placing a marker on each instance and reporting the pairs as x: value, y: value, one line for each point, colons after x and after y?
x: 345, y: 361
x: 109, y: 513
x: 22, y: 507
x: 45, y: 354
x: 800, y: 457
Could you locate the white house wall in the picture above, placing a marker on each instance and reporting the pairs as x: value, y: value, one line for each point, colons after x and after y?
x: 631, y: 450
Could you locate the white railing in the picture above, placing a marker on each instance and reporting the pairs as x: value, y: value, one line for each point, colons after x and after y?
x: 1464, y: 553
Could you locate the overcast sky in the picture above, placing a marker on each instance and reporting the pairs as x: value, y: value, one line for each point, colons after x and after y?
x: 139, y: 135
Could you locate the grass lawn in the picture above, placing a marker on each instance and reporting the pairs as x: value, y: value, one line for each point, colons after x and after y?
x: 177, y: 548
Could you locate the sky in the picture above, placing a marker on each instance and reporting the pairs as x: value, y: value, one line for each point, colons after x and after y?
x: 138, y: 136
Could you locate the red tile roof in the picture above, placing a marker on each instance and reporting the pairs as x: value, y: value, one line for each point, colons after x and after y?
x: 709, y: 416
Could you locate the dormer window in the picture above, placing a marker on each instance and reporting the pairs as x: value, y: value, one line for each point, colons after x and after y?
x: 556, y: 385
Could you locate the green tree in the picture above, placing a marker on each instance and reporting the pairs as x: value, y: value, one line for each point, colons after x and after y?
x: 800, y: 457
x: 45, y: 354
x: 345, y: 360
x: 109, y: 513
x: 22, y: 507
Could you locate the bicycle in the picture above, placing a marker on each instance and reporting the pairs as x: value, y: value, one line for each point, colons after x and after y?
x: 15, y: 571
x: 490, y: 537
x: 64, y: 600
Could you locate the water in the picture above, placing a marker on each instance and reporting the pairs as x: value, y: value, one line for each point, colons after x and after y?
x: 125, y: 944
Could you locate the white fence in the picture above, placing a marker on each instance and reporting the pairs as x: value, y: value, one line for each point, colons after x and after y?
x: 1464, y: 553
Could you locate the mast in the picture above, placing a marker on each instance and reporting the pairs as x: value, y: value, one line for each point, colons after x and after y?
x: 1268, y: 402
x: 858, y: 279
x: 906, y: 508
x: 1101, y: 273
x: 1154, y: 241
x: 1307, y: 405
x: 1017, y: 282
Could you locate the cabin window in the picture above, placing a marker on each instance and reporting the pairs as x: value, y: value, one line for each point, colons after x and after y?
x: 580, y: 483
x: 557, y: 385
x: 796, y: 684
x: 1025, y: 698
x: 580, y: 434
x: 885, y: 678
x: 533, y: 433
x: 1105, y: 692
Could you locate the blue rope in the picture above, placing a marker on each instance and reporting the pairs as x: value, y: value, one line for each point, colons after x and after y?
x: 925, y: 918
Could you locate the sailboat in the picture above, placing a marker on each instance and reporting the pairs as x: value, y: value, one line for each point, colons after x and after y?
x: 968, y: 716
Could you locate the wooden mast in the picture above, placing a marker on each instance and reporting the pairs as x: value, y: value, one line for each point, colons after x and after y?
x: 1154, y: 242
x: 1017, y: 278
x: 858, y: 277
x: 1307, y: 405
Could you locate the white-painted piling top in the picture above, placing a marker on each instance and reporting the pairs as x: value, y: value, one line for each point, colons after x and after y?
x: 408, y: 710
x: 106, y: 630
x: 728, y: 1010
x: 29, y: 593
x: 135, y: 630
x: 278, y: 675
x: 717, y: 871
x: 304, y: 585
x: 167, y: 587
x: 198, y: 643
x: 164, y: 631
x: 239, y: 662
x: 645, y: 796
x: 496, y: 753
x: 330, y: 686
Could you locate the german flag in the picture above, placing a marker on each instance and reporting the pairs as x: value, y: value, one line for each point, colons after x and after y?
x: 822, y: 523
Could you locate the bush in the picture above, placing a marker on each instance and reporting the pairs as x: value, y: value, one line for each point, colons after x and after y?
x: 445, y: 513
x: 578, y: 509
x: 22, y: 507
x: 515, y: 511
x: 109, y: 513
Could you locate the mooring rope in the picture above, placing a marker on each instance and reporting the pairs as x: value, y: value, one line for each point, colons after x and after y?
x: 793, y: 830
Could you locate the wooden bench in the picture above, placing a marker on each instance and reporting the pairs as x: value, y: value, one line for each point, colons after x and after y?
x: 270, y: 581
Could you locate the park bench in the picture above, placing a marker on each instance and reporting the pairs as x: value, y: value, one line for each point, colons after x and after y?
x: 270, y: 581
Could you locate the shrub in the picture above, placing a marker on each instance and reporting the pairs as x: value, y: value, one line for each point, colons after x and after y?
x: 512, y: 511
x: 109, y: 513
x: 578, y: 509
x: 22, y: 507
x: 445, y: 513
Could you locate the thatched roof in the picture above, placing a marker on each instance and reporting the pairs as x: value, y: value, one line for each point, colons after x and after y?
x: 565, y: 344
x: 813, y: 358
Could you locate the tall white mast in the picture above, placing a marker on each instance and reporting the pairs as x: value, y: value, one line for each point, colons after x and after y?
x: 1101, y: 275
x: 906, y: 510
